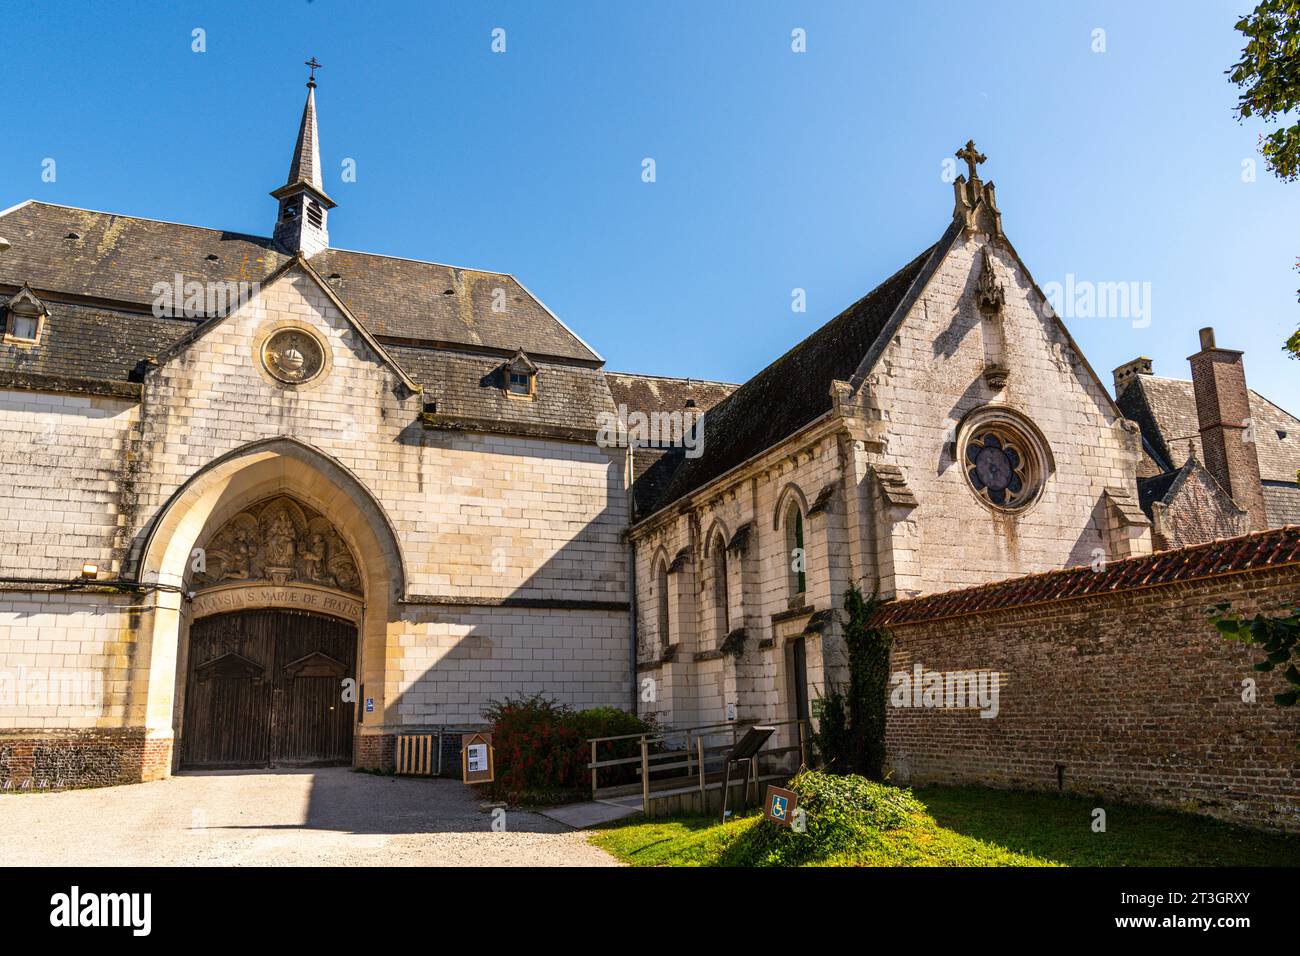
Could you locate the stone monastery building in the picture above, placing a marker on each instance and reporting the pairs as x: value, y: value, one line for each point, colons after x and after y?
x: 244, y: 473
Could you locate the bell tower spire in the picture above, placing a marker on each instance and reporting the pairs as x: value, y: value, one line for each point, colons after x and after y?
x: 300, y: 226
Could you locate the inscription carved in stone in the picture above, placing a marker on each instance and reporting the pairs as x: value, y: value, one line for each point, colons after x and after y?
x: 280, y: 541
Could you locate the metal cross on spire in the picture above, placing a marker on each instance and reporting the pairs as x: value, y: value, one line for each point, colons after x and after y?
x: 972, y: 156
x: 311, y: 82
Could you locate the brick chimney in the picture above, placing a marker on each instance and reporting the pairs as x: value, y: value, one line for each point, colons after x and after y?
x: 1227, y: 435
x: 1129, y: 371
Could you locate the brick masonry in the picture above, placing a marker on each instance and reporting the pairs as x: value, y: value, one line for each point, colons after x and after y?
x: 1128, y: 696
x: 65, y: 760
x: 375, y: 751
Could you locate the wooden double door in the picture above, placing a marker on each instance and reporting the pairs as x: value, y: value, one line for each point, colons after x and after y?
x: 266, y: 688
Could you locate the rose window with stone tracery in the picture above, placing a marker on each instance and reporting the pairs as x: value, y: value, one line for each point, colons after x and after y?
x: 1004, y: 462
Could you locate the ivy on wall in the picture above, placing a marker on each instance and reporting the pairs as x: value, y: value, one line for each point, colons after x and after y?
x: 851, y: 735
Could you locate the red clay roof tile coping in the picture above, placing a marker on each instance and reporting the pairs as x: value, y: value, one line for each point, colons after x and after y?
x: 1273, y: 548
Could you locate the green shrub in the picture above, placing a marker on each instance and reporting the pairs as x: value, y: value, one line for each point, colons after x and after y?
x: 612, y: 722
x: 541, y: 750
x: 842, y: 814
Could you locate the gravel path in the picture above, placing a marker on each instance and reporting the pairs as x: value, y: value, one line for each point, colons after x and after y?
x: 326, y: 817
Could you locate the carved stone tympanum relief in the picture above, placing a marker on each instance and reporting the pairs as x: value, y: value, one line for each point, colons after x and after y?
x: 281, y: 541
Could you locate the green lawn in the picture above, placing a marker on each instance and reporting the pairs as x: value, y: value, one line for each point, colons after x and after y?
x: 968, y: 826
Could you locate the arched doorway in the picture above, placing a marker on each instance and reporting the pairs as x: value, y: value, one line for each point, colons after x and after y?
x: 207, y: 501
x: 270, y: 663
x: 266, y: 688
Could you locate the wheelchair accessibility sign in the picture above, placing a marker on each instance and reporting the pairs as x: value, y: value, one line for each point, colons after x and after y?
x: 781, y: 805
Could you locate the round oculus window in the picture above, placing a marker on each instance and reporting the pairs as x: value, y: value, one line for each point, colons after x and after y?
x: 293, y: 356
x: 1003, y: 464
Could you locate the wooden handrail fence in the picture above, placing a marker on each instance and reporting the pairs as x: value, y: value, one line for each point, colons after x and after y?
x: 674, y: 759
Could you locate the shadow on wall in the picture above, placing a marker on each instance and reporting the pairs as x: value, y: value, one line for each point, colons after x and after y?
x: 546, y: 638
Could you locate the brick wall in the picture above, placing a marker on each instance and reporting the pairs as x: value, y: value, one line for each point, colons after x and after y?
x: 375, y: 751
x: 1130, y: 696
x: 64, y: 760
x: 1199, y: 511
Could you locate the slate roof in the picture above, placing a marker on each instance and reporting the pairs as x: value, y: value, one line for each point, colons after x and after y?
x: 1166, y: 488
x: 784, y: 397
x: 305, y: 165
x: 646, y: 393
x: 1165, y: 410
x: 1274, y: 548
x: 1282, y: 504
x: 87, y: 342
x: 466, y: 388
x: 655, y: 393
x: 120, y: 258
x: 1151, y: 490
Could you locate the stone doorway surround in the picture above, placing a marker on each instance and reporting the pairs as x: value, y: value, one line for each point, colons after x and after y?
x: 210, y: 500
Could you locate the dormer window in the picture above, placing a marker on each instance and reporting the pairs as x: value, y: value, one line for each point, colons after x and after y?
x: 24, y: 318
x: 519, y: 377
x: 24, y: 327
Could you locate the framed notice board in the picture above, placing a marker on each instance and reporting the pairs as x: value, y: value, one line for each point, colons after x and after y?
x: 476, y: 762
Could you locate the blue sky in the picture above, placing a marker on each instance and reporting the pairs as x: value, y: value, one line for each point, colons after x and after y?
x: 774, y: 170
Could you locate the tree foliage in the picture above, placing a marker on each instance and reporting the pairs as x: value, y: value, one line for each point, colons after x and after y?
x: 1268, y: 75
x: 1278, y: 637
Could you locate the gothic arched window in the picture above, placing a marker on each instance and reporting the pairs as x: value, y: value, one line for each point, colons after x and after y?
x: 721, y: 597
x: 796, y: 556
x: 661, y: 588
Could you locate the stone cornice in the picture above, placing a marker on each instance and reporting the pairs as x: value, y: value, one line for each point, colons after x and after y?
x: 465, y: 423
x: 69, y: 385
x: 790, y: 447
x: 551, y: 604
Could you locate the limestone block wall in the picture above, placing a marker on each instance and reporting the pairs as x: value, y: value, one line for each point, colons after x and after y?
x: 480, y: 519
x: 930, y: 375
x: 759, y: 586
x: 67, y: 659
x: 451, y: 661
x: 61, y: 467
x: 477, y: 516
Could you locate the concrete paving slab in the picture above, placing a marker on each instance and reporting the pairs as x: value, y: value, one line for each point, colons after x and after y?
x: 583, y: 815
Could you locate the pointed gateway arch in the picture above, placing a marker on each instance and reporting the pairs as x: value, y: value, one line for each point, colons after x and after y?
x: 362, y: 593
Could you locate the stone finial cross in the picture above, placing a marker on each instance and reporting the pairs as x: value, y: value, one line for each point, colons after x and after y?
x: 972, y: 157
x: 316, y: 66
